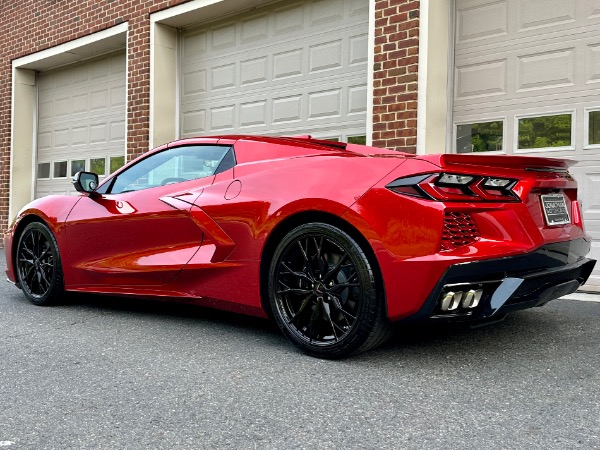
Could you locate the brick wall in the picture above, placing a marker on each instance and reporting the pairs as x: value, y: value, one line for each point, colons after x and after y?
x: 29, y: 26
x: 395, y: 74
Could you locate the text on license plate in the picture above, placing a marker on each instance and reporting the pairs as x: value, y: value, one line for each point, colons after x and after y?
x: 555, y: 209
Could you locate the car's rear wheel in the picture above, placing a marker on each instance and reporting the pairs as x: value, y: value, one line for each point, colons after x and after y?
x: 39, y: 269
x: 324, y: 294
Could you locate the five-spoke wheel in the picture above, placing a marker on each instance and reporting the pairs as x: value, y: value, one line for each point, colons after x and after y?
x: 39, y: 270
x: 324, y: 294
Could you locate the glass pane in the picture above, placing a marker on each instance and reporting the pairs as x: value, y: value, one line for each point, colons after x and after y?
x: 43, y: 170
x: 116, y: 162
x: 479, y: 137
x: 361, y: 140
x: 170, y: 166
x: 60, y: 169
x: 77, y: 166
x: 545, y: 131
x: 98, y: 166
x: 594, y: 128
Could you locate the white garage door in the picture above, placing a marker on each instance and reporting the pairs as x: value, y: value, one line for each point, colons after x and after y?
x: 527, y: 81
x: 81, y: 122
x: 297, y: 67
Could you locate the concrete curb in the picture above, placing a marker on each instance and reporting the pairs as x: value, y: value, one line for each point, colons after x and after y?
x: 583, y: 296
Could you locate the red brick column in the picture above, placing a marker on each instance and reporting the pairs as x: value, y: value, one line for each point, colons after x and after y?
x: 395, y: 74
x: 138, y: 87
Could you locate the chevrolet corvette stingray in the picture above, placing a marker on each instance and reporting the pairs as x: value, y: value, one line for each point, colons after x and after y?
x: 336, y: 242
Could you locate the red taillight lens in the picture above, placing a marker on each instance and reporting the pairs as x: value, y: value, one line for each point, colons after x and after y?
x: 456, y: 187
x: 577, y: 215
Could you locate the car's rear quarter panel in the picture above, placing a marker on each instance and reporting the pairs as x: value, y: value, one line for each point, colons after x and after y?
x: 405, y: 232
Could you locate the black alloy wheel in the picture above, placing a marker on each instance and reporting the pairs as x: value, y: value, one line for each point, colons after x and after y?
x: 39, y: 269
x: 323, y: 293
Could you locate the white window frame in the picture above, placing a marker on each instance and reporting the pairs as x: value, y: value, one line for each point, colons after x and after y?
x: 586, y: 128
x: 70, y: 165
x: 503, y: 119
x: 89, y: 164
x: 570, y: 148
x: 54, y: 177
x: 37, y: 177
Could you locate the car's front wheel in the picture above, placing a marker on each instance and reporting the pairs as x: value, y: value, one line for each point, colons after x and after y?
x: 324, y: 294
x: 39, y: 269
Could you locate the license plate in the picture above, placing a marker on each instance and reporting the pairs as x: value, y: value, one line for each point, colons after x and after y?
x: 555, y: 209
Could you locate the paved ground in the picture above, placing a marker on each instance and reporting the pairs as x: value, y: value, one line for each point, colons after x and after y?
x: 100, y: 373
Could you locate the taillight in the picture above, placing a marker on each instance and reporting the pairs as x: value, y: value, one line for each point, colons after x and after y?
x: 456, y: 187
x: 577, y: 215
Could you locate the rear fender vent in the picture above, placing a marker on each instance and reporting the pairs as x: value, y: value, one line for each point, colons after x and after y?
x: 459, y: 230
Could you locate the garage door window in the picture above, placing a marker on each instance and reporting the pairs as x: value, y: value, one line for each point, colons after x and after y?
x: 43, y: 170
x: 593, y: 128
x: 545, y: 132
x: 360, y: 140
x: 116, y: 162
x: 98, y: 166
x: 480, y: 137
x: 60, y: 169
x: 77, y: 165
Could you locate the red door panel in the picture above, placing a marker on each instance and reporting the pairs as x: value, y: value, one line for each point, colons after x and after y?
x: 134, y: 238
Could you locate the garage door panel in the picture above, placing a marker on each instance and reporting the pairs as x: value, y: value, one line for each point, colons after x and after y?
x: 481, y: 23
x: 193, y: 122
x: 297, y: 63
x: 587, y: 174
x: 310, y: 56
x: 588, y: 177
x: 325, y: 11
x: 255, y: 28
x: 254, y: 71
x: 517, y: 61
x: 480, y: 80
x: 287, y: 109
x: 476, y: 21
x: 571, y: 69
x: 536, y: 14
x: 288, y: 19
x: 592, y: 63
x: 325, y: 56
x: 253, y: 114
x: 267, y: 109
x: 81, y: 116
x: 542, y: 70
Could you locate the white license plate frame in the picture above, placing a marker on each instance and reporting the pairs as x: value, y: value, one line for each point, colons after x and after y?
x: 555, y: 209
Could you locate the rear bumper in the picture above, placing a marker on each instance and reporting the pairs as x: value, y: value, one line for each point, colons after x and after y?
x: 511, y: 283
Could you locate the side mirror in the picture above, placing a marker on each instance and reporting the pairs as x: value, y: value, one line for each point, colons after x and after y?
x: 85, y: 182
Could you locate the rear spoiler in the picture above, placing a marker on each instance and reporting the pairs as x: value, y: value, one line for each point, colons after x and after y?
x: 308, y: 138
x: 532, y: 163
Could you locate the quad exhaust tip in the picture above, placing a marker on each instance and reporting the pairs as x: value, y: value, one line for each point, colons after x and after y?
x: 452, y: 301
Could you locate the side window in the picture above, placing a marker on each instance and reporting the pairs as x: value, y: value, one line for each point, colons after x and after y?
x: 227, y: 162
x: 170, y: 166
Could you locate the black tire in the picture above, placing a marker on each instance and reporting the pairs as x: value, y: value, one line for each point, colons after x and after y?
x: 39, y: 269
x: 323, y: 293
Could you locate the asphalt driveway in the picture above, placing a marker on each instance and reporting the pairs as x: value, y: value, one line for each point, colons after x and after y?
x: 106, y: 372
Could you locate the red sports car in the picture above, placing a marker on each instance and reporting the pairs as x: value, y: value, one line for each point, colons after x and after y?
x: 336, y: 242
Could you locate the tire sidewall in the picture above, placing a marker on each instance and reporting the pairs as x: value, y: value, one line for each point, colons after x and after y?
x: 56, y: 284
x: 361, y: 329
